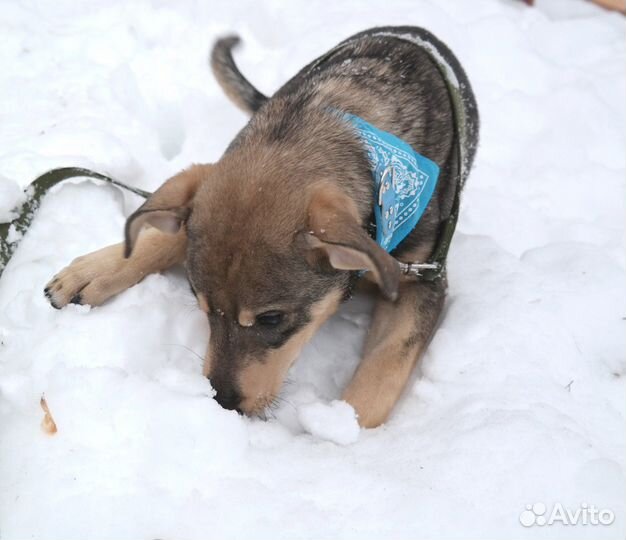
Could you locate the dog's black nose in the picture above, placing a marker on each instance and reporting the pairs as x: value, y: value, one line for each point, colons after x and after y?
x: 228, y: 398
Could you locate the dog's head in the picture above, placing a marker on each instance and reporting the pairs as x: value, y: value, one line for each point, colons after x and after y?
x: 269, y: 259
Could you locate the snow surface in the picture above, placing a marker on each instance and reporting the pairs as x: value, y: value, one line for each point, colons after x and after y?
x: 520, y: 397
x: 335, y: 421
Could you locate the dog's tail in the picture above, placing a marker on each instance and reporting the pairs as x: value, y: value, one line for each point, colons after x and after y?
x: 235, y: 85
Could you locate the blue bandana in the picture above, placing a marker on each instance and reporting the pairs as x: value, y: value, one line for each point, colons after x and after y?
x: 404, y: 182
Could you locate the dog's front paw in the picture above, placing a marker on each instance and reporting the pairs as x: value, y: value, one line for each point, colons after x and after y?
x: 90, y: 279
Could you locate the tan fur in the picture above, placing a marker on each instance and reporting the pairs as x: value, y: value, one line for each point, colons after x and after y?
x: 99, y: 275
x: 329, y: 204
x: 336, y: 230
x: 208, y: 360
x: 261, y: 381
x: 169, y: 206
x: 347, y: 94
x: 246, y: 317
x: 202, y: 303
x: 390, y: 353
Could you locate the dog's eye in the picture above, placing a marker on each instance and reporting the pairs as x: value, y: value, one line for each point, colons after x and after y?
x: 270, y: 318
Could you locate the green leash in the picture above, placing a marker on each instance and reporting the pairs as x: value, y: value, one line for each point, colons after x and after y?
x: 34, y: 195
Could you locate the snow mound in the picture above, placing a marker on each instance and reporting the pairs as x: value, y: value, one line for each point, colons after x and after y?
x: 11, y: 196
x: 335, y: 421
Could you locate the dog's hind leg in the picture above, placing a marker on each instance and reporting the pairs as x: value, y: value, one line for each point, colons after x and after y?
x: 96, y: 277
x: 398, y: 335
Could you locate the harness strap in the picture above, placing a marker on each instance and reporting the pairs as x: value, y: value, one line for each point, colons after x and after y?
x: 440, y: 255
x: 435, y: 267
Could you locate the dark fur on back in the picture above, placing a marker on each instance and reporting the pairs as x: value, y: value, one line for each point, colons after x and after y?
x: 388, y: 80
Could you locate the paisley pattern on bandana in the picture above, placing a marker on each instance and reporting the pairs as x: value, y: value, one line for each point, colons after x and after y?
x: 404, y: 182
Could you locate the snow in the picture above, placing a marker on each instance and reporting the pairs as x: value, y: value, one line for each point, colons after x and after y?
x: 336, y: 421
x: 11, y: 196
x: 520, y: 397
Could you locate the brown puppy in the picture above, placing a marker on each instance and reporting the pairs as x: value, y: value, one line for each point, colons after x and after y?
x: 275, y: 233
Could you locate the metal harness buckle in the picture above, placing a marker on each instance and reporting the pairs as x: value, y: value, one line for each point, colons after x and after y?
x: 413, y: 269
x: 384, y: 185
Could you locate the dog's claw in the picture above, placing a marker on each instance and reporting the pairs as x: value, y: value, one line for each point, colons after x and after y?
x: 76, y: 299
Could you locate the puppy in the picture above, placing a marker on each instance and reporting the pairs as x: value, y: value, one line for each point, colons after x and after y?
x: 277, y: 232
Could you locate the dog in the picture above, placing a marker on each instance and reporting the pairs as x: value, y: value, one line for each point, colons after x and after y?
x: 276, y: 234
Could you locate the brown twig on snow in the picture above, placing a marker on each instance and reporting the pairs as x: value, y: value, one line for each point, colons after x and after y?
x: 47, y: 424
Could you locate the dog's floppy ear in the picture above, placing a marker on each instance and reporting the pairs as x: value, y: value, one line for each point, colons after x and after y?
x: 335, y: 233
x: 167, y: 208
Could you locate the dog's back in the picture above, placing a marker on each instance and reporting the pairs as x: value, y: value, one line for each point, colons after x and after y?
x: 386, y: 76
